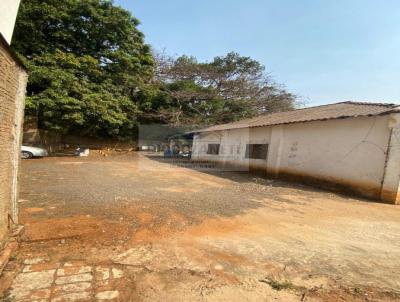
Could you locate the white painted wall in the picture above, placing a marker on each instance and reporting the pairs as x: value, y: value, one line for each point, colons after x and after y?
x: 232, y: 146
x: 390, y: 186
x: 8, y: 15
x: 346, y: 151
x: 350, y: 151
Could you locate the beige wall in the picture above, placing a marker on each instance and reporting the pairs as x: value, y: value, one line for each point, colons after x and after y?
x: 346, y: 153
x: 233, y: 146
x: 390, y: 185
x: 12, y: 94
x: 8, y: 15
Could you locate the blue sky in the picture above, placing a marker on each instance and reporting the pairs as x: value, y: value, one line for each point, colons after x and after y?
x: 322, y: 50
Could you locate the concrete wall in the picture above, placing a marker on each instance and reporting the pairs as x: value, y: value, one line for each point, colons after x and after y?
x: 54, y: 142
x: 233, y: 147
x: 343, y: 154
x: 390, y: 184
x: 8, y: 15
x: 13, y: 80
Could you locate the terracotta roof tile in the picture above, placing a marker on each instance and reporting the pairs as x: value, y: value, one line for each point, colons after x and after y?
x: 318, y: 113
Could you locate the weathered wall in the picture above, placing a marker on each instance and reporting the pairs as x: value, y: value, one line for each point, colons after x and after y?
x: 390, y: 191
x: 56, y: 143
x: 233, y: 147
x: 12, y: 94
x: 345, y: 153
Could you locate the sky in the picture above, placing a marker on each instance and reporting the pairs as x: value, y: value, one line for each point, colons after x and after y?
x: 324, y: 51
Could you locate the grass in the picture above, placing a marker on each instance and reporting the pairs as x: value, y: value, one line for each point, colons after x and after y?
x: 281, y: 285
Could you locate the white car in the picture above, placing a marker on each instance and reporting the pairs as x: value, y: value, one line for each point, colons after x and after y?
x: 29, y: 152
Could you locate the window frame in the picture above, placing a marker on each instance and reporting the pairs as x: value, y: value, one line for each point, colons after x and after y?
x: 217, y: 146
x: 249, y: 152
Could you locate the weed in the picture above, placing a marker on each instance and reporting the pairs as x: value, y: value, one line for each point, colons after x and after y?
x: 281, y: 285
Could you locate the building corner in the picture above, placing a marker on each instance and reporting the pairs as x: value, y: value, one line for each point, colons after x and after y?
x: 391, y: 175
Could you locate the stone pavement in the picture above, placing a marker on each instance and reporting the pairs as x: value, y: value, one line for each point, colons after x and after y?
x: 41, y: 280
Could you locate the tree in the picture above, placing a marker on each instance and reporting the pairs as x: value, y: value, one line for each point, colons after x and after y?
x: 224, y: 90
x: 91, y: 74
x: 87, y: 61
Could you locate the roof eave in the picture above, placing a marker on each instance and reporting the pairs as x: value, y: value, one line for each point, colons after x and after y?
x: 395, y: 110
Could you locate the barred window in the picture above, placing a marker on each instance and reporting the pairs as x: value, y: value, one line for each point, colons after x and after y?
x: 213, y: 149
x: 257, y: 151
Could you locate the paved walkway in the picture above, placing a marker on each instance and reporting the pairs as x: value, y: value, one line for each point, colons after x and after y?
x: 41, y: 280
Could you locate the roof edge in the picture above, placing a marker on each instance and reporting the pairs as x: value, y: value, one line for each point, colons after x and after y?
x: 392, y: 108
x: 343, y: 102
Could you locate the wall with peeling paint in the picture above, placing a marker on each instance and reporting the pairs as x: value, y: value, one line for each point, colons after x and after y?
x: 345, y: 153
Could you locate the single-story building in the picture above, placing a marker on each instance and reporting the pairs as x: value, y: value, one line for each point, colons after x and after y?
x: 349, y: 146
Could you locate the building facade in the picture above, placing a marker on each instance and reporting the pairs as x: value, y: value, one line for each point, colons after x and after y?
x: 346, y: 146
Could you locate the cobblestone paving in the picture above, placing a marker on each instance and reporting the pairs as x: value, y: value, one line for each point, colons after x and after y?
x: 41, y: 280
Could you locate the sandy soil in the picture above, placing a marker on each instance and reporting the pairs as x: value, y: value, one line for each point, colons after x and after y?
x: 186, y: 235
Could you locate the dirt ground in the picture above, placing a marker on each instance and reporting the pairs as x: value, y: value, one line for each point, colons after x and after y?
x: 129, y: 227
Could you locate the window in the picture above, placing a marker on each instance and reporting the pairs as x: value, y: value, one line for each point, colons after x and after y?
x: 257, y: 151
x: 213, y: 149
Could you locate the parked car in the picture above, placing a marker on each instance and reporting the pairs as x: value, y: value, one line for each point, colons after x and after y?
x: 29, y: 152
x: 185, y: 154
x: 82, y: 151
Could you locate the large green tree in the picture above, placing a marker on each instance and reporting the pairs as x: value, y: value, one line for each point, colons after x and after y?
x: 87, y: 61
x: 91, y: 74
x: 226, y: 89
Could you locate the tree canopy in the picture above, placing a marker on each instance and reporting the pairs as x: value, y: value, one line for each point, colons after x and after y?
x: 92, y: 74
x: 86, y: 60
x: 226, y: 89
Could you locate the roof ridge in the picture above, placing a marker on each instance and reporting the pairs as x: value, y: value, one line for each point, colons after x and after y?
x: 338, y: 110
x: 331, y: 104
x: 346, y: 102
x: 369, y: 103
x: 312, y: 107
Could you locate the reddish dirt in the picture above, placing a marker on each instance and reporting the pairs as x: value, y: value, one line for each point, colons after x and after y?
x: 207, y: 235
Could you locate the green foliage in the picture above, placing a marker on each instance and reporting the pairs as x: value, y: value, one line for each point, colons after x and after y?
x: 91, y: 74
x: 227, y: 89
x: 282, y: 285
x: 86, y: 61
